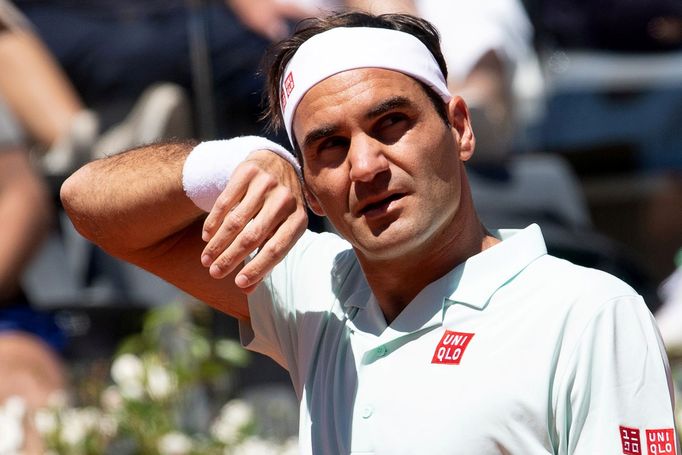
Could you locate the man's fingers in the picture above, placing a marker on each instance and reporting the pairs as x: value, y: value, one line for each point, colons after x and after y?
x: 235, y: 221
x: 272, y: 252
x: 274, y: 230
x: 234, y: 191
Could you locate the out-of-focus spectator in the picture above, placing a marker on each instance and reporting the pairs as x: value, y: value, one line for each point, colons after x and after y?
x: 41, y: 98
x: 484, y: 44
x: 113, y: 50
x: 29, y: 367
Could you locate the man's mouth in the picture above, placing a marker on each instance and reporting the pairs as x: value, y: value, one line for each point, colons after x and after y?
x: 380, y: 206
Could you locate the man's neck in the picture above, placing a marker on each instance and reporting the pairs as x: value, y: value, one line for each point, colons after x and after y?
x: 395, y: 283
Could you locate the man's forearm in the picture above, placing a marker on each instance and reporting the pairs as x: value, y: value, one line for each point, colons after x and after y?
x: 131, y: 201
x: 134, y: 206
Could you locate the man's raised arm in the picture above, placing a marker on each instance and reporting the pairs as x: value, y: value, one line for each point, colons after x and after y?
x: 133, y: 206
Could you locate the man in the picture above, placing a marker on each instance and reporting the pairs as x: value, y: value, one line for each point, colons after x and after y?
x: 419, y: 331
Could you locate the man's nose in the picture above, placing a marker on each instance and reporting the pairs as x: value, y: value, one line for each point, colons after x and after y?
x: 367, y: 159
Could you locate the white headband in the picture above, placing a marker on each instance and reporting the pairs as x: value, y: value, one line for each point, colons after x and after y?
x: 346, y: 48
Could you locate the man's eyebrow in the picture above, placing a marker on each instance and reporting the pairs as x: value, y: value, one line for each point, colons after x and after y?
x: 388, y: 105
x: 381, y: 108
x: 319, y: 133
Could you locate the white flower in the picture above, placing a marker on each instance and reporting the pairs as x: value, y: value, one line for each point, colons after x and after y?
x: 160, y: 382
x: 73, y: 431
x: 132, y: 390
x: 45, y: 421
x: 128, y: 371
x: 235, y: 416
x: 111, y: 399
x: 174, y: 443
x: 77, y: 424
x: 15, y: 406
x: 11, y: 426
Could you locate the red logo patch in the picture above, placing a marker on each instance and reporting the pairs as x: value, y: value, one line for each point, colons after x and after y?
x: 451, y: 347
x: 629, y: 439
x: 289, y: 83
x: 661, y: 442
x: 284, y: 100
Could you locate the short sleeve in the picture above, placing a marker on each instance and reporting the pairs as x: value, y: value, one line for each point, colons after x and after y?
x: 291, y: 305
x: 616, y: 394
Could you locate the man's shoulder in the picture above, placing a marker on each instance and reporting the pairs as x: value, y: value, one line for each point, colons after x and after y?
x: 322, y: 262
x: 575, y: 279
x: 579, y: 293
x: 321, y: 247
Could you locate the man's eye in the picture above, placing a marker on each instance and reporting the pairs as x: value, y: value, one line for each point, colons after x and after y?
x: 331, y: 143
x: 392, y: 120
x: 392, y: 127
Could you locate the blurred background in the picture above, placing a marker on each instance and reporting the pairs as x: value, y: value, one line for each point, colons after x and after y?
x: 576, y: 106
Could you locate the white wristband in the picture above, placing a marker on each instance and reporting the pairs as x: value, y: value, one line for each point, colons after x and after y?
x: 210, y: 164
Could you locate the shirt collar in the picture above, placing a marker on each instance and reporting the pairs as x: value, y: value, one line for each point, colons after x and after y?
x: 473, y: 282
x: 479, y: 277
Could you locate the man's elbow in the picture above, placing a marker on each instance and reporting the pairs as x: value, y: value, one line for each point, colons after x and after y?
x: 78, y: 194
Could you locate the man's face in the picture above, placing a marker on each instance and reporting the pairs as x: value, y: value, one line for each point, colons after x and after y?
x: 380, y: 162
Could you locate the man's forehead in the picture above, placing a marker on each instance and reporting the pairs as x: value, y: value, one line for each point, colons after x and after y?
x: 343, y: 49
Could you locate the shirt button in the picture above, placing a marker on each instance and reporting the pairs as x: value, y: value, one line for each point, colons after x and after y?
x: 367, y: 412
x: 381, y: 351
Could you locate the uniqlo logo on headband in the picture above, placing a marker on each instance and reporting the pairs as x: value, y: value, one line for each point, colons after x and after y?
x: 451, y: 347
x: 289, y: 83
x: 661, y: 442
x: 629, y: 439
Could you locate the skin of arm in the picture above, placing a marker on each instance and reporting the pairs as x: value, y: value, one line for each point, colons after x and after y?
x: 35, y: 87
x: 134, y: 207
x: 25, y: 212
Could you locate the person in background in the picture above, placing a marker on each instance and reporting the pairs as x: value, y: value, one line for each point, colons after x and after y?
x: 30, y: 367
x: 41, y: 98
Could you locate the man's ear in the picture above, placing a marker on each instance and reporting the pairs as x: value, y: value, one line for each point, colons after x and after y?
x: 313, y: 203
x: 460, y: 121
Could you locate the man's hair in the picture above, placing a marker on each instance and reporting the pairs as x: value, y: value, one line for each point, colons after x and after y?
x: 281, y: 53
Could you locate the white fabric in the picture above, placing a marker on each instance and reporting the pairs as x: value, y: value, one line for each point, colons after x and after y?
x: 210, y: 164
x: 561, y: 357
x: 342, y: 49
x: 470, y: 29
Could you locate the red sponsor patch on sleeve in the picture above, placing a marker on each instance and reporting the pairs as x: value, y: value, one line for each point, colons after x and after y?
x: 451, y: 347
x: 629, y: 439
x: 661, y: 442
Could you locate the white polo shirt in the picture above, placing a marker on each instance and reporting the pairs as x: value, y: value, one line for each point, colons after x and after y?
x: 512, y: 352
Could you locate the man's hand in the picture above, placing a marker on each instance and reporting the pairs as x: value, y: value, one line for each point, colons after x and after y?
x: 261, y: 207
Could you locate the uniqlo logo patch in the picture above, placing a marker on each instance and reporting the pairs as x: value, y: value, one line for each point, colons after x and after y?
x: 289, y: 83
x: 661, y: 442
x: 451, y: 347
x: 629, y: 438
